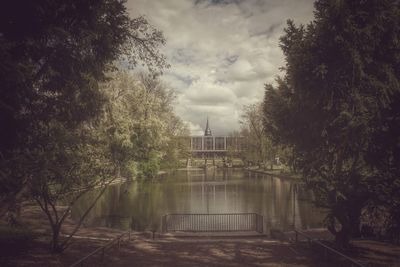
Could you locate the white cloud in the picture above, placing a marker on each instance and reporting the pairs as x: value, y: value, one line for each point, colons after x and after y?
x: 195, y: 129
x: 221, y: 52
x: 207, y: 92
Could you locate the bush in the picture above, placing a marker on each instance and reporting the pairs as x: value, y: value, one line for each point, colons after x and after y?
x: 150, y: 167
x: 130, y: 170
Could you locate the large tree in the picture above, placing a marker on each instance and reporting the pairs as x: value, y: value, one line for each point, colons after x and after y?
x: 54, y: 54
x: 337, y: 106
x: 65, y: 165
x: 141, y: 125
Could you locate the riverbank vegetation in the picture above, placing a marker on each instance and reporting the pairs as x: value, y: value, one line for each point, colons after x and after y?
x: 337, y: 110
x: 259, y: 151
x: 141, y: 126
x: 76, y: 119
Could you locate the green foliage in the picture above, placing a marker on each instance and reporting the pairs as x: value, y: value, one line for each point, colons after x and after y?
x: 140, y: 123
x: 173, y: 154
x: 338, y: 105
x: 65, y: 165
x: 150, y: 166
x: 130, y: 169
x: 178, y: 146
x: 54, y: 57
x: 258, y: 146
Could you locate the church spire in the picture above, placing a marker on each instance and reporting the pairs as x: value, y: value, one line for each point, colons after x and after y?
x: 207, y: 132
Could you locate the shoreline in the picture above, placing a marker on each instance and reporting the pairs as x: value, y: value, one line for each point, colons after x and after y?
x: 290, y: 176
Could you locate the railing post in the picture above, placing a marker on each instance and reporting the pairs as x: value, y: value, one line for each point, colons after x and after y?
x: 102, y: 254
x: 262, y: 224
x: 163, y: 224
x: 296, y: 236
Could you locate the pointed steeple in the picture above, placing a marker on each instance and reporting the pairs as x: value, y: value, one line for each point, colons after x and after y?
x: 207, y: 132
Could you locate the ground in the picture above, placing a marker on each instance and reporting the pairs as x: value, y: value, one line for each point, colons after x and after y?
x: 170, y: 250
x: 216, y: 252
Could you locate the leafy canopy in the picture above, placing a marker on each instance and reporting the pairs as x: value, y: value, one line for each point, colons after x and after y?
x: 338, y: 105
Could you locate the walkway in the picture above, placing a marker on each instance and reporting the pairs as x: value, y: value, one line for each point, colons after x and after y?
x: 208, y: 252
x: 211, y: 251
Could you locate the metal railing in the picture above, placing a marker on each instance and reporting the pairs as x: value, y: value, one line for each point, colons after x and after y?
x: 101, y: 251
x: 222, y: 222
x: 326, y: 249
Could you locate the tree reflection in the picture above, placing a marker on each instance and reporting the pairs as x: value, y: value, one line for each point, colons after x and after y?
x: 140, y: 205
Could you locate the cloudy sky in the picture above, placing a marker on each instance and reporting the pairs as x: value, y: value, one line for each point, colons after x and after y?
x: 221, y: 52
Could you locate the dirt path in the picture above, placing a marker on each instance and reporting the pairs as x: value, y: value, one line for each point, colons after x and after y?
x: 170, y: 251
x: 208, y: 252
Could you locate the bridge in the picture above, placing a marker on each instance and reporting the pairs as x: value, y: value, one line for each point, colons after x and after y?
x: 209, y: 146
x: 215, y: 146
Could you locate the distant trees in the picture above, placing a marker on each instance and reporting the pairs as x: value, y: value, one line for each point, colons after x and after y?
x: 259, y: 148
x: 253, y: 134
x: 54, y: 57
x: 337, y: 107
x: 177, y: 147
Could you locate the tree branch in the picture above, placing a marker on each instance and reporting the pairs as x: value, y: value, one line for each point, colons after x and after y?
x: 85, y: 214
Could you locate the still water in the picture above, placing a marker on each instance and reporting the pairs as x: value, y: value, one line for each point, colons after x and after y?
x: 140, y: 205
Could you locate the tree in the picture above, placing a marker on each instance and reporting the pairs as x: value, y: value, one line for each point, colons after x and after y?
x: 140, y: 123
x: 178, y: 146
x: 338, y: 97
x: 252, y: 130
x: 64, y: 169
x: 259, y: 148
x: 54, y: 55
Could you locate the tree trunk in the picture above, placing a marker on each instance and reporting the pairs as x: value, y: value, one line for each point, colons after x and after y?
x: 118, y: 171
x: 349, y: 220
x: 55, y: 243
x: 354, y: 217
x: 342, y: 236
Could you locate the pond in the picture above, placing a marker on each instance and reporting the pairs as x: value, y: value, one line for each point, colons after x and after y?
x: 139, y: 205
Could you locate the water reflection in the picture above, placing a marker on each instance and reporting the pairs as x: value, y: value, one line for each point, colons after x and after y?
x: 140, y: 205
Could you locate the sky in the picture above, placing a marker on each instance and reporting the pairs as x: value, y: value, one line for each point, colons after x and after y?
x: 221, y: 52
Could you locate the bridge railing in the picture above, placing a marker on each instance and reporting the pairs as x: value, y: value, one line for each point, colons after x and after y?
x: 220, y: 222
x: 327, y: 250
x: 100, y: 252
